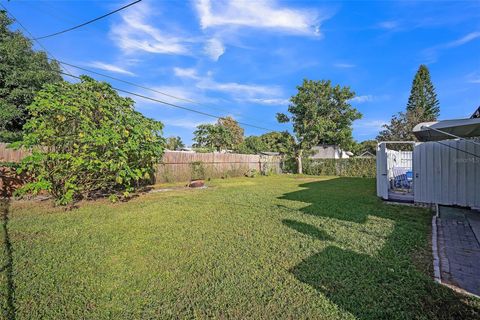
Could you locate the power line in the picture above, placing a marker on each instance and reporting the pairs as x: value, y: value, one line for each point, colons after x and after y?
x: 128, y: 82
x: 88, y: 22
x: 31, y: 35
x: 63, y: 63
x: 172, y: 104
x: 144, y: 87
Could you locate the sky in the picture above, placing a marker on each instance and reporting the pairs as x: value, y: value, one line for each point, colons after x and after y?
x: 245, y: 58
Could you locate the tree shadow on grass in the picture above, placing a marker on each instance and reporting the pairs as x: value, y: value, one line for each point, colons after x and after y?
x: 8, y: 184
x: 307, y: 229
x: 387, y: 284
x: 8, y: 288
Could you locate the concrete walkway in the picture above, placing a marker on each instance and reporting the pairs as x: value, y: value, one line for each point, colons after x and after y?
x: 458, y: 232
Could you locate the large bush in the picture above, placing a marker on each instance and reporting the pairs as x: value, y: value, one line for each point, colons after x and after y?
x: 351, y: 167
x: 87, y: 141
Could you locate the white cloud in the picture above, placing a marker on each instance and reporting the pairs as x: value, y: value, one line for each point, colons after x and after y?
x: 234, y: 88
x: 431, y: 54
x: 370, y: 98
x: 214, y: 48
x: 134, y: 34
x: 257, y: 14
x: 473, y: 77
x: 463, y: 40
x: 368, y: 127
x: 389, y: 25
x: 344, y: 65
x: 190, y: 124
x: 186, y: 73
x: 272, y: 101
x: 109, y: 67
x: 362, y: 99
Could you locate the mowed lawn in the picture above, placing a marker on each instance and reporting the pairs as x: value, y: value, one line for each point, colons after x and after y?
x: 266, y: 247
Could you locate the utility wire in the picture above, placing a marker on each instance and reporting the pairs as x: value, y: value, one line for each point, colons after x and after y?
x: 172, y: 104
x: 146, y: 88
x: 31, y: 35
x: 88, y: 22
x: 131, y: 83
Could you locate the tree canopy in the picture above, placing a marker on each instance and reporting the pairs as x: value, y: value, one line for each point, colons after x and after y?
x: 321, y: 113
x: 226, y: 134
x: 423, y: 98
x: 87, y: 140
x: 23, y: 72
x: 422, y: 106
x: 174, y: 143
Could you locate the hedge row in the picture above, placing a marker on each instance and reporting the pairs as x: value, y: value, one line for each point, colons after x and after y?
x: 352, y: 167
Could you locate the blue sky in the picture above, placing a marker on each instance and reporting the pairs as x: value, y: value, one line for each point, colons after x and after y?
x: 245, y: 58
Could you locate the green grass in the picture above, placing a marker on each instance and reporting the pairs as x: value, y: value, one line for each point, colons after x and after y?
x: 267, y: 247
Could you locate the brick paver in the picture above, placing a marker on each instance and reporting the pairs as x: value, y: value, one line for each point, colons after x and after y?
x: 458, y: 249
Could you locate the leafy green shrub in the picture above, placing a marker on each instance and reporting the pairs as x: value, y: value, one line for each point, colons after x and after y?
x: 197, y: 170
x: 351, y: 167
x: 86, y: 140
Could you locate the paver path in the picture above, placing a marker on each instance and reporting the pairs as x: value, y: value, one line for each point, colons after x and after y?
x: 459, y: 249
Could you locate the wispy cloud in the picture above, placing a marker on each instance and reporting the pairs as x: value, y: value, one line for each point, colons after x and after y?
x: 258, y: 14
x: 186, y: 73
x: 369, y: 98
x: 473, y: 77
x: 185, y: 123
x: 261, y: 94
x: 362, y: 99
x: 109, y: 67
x: 272, y: 102
x: 431, y: 54
x: 389, y: 24
x: 134, y: 33
x: 463, y: 40
x: 344, y: 65
x: 214, y: 48
x: 368, y: 127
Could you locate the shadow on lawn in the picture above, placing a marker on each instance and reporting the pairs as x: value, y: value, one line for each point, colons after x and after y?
x: 387, y: 284
x: 6, y: 270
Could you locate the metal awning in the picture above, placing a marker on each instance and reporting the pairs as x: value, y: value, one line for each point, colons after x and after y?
x: 447, y: 129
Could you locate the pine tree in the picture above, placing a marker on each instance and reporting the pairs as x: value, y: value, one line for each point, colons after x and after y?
x: 423, y: 98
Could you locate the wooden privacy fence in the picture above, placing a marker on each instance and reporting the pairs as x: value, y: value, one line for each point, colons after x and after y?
x: 180, y: 166
x: 183, y: 166
x: 10, y: 155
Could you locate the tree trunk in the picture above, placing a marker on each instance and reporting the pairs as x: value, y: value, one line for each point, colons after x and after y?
x: 299, y: 162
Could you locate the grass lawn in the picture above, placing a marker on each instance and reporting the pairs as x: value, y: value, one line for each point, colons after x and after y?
x: 267, y: 247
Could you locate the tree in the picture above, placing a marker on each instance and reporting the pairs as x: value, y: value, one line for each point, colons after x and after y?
x: 401, y: 126
x: 174, y: 143
x: 320, y: 113
x: 86, y: 140
x: 367, y: 145
x: 23, y: 72
x: 224, y: 135
x: 275, y: 141
x: 423, y: 98
x: 232, y: 126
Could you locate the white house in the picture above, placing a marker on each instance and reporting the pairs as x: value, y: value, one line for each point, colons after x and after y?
x: 329, y: 151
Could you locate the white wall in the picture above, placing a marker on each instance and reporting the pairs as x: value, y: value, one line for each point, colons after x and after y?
x: 445, y: 175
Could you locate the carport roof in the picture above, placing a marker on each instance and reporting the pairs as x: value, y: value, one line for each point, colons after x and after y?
x: 447, y: 129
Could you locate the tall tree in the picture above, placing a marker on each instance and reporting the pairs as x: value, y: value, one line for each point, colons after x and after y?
x: 174, y: 143
x: 320, y: 113
x: 401, y: 126
x: 232, y: 126
x: 225, y: 134
x: 23, y: 72
x: 423, y: 98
